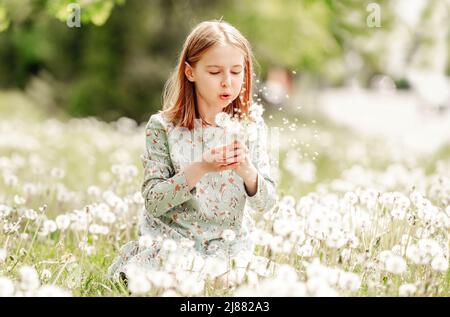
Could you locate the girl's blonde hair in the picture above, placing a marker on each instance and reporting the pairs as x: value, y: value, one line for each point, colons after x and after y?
x: 179, y: 99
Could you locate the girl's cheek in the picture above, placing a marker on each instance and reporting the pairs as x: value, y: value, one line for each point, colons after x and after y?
x: 237, y: 85
x: 213, y: 82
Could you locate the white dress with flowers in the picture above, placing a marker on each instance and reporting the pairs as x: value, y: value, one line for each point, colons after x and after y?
x: 218, y: 202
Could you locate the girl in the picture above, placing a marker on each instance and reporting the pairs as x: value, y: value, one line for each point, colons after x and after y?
x: 195, y: 185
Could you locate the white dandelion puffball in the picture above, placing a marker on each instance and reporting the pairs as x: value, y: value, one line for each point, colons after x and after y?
x: 256, y: 111
x: 52, y: 291
x: 252, y: 132
x: 3, y: 255
x: 62, y: 222
x: 46, y: 274
x: 395, y: 264
x: 19, y: 200
x: 214, y: 267
x: 349, y: 281
x: 407, y: 290
x: 439, y: 263
x: 169, y: 245
x: 234, y: 127
x: 139, y: 286
x: 228, y: 235
x: 222, y: 119
x: 6, y: 287
x: 145, y: 241
x: 29, y: 278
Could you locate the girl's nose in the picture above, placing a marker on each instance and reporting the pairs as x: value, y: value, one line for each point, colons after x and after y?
x: 226, y: 81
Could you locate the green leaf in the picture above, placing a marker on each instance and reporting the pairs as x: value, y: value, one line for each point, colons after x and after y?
x: 100, y: 12
x: 4, y: 21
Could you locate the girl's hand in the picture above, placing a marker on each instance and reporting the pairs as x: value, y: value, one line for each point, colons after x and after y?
x: 244, y: 168
x: 232, y: 156
x: 235, y: 157
x: 244, y: 165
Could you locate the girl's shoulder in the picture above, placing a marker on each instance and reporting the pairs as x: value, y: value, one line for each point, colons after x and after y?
x: 157, y: 121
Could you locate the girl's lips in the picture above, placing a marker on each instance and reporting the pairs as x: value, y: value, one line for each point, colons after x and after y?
x: 225, y: 96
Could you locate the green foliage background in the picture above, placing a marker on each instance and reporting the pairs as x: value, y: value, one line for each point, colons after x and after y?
x: 116, y: 63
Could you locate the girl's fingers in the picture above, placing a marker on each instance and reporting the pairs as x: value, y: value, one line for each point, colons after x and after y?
x: 233, y: 154
x: 228, y: 166
x: 230, y: 147
x: 239, y: 144
x: 237, y: 159
x: 232, y: 166
x: 240, y: 158
x: 227, y: 152
x: 220, y: 150
x: 229, y: 155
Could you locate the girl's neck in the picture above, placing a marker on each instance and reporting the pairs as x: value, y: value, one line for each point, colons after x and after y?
x: 207, y: 113
x: 206, y: 123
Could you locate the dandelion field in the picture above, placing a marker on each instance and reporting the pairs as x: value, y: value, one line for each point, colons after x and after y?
x: 364, y: 218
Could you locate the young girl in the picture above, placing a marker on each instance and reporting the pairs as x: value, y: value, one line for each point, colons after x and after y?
x: 197, y: 181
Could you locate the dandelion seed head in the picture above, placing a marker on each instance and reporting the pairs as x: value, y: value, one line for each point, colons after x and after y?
x: 228, y: 235
x: 439, y: 263
x: 52, y: 291
x: 351, y: 198
x: 29, y: 278
x: 10, y: 180
x: 145, y: 241
x: 94, y: 191
x: 6, y: 287
x: 3, y: 254
x: 407, y: 290
x: 395, y: 264
x: 398, y: 213
x: 19, y: 200
x: 286, y: 273
x: 46, y: 274
x: 222, y: 119
x: 139, y: 286
x: 190, y: 284
x: 169, y: 245
x: 58, y: 173
x: 5, y: 211
x: 349, y: 281
x: 62, y: 222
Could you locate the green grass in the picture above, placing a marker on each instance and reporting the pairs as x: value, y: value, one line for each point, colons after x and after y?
x: 86, y: 151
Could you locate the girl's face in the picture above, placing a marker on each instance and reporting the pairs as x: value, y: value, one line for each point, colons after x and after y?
x: 218, y: 76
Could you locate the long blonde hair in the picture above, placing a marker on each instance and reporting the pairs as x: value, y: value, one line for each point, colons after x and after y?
x: 179, y: 99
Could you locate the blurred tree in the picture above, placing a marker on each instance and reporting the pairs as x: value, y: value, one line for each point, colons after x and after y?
x: 117, y: 62
x: 93, y: 11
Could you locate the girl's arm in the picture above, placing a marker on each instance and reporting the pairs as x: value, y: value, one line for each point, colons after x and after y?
x: 250, y: 178
x: 194, y: 172
x: 259, y: 184
x: 162, y: 189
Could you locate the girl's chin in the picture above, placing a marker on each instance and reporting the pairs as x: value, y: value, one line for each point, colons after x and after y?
x: 221, y: 103
x: 225, y: 102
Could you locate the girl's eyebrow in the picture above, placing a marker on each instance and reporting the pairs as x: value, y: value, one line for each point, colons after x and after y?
x: 238, y: 65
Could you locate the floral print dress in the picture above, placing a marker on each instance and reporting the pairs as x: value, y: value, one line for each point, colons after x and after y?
x: 218, y: 202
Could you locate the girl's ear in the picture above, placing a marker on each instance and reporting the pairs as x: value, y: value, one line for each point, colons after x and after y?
x: 188, y: 71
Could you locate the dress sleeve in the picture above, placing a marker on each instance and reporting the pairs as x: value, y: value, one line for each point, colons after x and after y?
x: 265, y: 197
x: 162, y: 189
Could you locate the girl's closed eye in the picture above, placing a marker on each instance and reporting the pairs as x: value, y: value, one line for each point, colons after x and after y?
x: 234, y: 73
